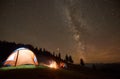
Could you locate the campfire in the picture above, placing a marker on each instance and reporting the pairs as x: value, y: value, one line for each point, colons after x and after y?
x: 53, y: 64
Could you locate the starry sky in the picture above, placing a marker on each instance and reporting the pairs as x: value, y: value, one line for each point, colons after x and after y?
x: 88, y: 29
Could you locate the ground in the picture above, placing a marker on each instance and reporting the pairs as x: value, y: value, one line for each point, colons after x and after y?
x: 41, y: 72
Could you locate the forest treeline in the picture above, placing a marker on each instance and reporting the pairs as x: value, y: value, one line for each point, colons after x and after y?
x: 6, y: 48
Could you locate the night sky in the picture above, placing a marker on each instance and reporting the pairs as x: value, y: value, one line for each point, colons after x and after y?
x: 88, y: 29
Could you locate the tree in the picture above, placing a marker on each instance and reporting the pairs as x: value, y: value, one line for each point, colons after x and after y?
x: 82, y: 62
x: 59, y: 55
x: 70, y: 59
x: 66, y: 58
x: 53, y: 53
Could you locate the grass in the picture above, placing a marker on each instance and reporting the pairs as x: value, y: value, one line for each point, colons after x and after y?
x: 35, y: 72
x: 22, y: 67
x: 43, y: 72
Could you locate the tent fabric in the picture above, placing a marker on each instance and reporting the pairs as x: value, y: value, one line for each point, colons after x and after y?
x: 21, y: 56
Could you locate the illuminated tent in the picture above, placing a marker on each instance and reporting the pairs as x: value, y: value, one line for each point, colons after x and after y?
x: 21, y: 56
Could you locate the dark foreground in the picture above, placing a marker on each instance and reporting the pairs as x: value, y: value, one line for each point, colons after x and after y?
x: 73, y: 72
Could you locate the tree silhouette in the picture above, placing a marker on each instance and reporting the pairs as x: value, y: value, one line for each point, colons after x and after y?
x: 66, y: 58
x: 82, y: 62
x: 6, y: 48
x: 70, y: 59
x: 59, y: 55
x: 53, y: 53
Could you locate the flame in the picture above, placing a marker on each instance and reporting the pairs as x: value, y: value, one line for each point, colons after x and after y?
x: 53, y: 64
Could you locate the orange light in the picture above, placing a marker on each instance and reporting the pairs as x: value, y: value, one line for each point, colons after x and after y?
x: 53, y: 64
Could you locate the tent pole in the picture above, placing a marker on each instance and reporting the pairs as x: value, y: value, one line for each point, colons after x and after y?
x: 17, y: 58
x: 34, y: 62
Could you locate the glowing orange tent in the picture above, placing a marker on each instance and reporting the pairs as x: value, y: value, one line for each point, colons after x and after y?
x: 21, y: 56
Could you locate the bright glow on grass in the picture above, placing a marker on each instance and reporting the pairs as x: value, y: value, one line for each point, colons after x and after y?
x: 22, y: 67
x: 18, y: 67
x: 53, y: 64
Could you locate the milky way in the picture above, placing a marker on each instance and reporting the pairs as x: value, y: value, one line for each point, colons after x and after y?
x: 95, y: 28
x: 86, y: 29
